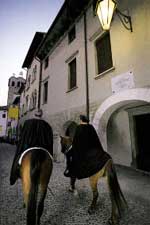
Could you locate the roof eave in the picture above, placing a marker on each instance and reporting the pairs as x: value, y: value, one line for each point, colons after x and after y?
x: 38, y: 37
x: 65, y: 18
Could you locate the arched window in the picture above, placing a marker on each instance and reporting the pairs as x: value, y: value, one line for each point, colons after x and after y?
x: 13, y: 83
x: 35, y: 72
x: 27, y: 103
x: 23, y: 110
x: 31, y: 103
x: 29, y: 80
x: 18, y: 84
x: 71, y: 128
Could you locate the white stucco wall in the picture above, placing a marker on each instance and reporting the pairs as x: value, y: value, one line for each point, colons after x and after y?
x: 113, y: 103
x: 130, y: 52
x: 118, y: 138
x: 57, y: 73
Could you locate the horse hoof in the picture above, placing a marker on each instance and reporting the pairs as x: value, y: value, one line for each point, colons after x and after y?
x: 73, y: 191
x: 91, y: 210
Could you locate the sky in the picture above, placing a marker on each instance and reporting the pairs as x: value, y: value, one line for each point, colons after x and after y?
x: 19, y: 20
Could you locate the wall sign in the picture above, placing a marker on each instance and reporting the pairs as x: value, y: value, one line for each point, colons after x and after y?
x: 122, y: 82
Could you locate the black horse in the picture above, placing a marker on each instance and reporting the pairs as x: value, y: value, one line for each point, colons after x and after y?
x: 33, y: 164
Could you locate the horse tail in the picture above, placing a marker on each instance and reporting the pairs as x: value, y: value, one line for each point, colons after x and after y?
x: 115, y: 190
x: 35, y: 164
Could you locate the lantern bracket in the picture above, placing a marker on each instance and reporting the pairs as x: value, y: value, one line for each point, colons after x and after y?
x: 125, y: 20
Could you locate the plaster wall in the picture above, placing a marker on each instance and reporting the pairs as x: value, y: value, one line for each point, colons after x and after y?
x: 118, y: 138
x: 130, y: 51
x: 3, y: 123
x: 59, y: 96
x: 34, y: 85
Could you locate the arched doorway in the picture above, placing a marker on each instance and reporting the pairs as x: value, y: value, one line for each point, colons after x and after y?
x: 118, y: 122
x: 70, y: 128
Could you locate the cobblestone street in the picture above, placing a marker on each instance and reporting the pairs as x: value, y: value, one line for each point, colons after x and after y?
x: 65, y: 208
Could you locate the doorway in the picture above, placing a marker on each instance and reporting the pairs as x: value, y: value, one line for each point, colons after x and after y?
x: 142, y: 125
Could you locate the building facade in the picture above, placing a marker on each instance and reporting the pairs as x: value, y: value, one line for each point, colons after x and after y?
x: 103, y: 74
x: 30, y: 96
x: 3, y: 121
x: 15, y: 87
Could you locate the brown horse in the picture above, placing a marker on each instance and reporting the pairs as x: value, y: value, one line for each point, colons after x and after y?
x: 33, y: 164
x: 35, y: 171
x: 117, y: 198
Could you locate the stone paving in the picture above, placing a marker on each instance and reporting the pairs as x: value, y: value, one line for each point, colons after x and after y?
x: 64, y: 208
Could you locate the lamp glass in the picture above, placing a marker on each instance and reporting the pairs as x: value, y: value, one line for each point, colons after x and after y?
x: 105, y: 9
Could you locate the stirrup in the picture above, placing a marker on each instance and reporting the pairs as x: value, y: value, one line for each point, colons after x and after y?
x: 67, y: 173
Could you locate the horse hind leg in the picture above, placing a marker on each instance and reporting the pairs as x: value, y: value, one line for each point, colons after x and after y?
x: 46, y: 170
x: 41, y: 204
x: 26, y: 190
x: 30, y: 188
x: 25, y: 178
x: 32, y: 200
x: 93, y: 183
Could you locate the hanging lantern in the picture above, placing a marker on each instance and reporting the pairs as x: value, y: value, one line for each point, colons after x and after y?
x: 105, y: 10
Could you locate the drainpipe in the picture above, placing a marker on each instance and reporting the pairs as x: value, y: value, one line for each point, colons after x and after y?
x: 86, y: 65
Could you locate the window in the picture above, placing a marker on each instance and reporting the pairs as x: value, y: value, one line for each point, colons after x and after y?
x: 34, y: 98
x: 9, y: 123
x: 45, y: 92
x: 46, y: 62
x: 13, y: 84
x: 104, y: 55
x: 31, y: 103
x: 71, y: 35
x: 3, y: 115
x: 34, y: 72
x: 94, y: 7
x: 72, y: 74
x: 28, y: 82
x: 23, y: 109
x: 27, y: 103
x: 18, y: 84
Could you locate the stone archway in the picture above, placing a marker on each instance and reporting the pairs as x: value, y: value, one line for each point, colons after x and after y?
x: 69, y: 128
x: 113, y: 103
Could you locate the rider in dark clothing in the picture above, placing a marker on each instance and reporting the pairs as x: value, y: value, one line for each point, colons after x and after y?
x: 88, y: 156
x: 35, y: 133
